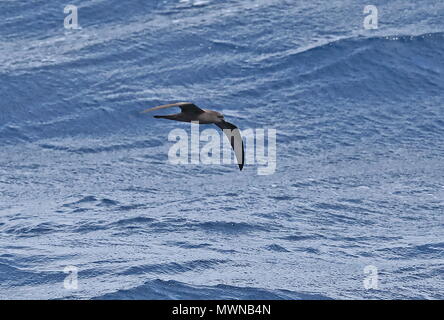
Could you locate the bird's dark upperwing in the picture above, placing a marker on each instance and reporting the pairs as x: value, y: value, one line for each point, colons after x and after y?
x: 184, y: 106
x: 233, y: 134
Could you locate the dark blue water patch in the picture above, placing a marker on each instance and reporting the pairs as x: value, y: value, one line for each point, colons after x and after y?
x: 137, y: 225
x: 436, y: 206
x: 231, y: 194
x: 276, y: 248
x: 80, y: 210
x: 331, y: 206
x: 90, y: 227
x: 228, y: 227
x: 282, y: 198
x: 303, y: 237
x: 337, y: 60
x: 27, y: 261
x: 334, y: 214
x: 20, y: 273
x: 34, y: 230
x: 435, y: 270
x: 82, y: 205
x: 275, y: 216
x: 141, y: 190
x: 16, y: 276
x: 85, y: 199
x: 107, y: 203
x: 133, y: 221
x: 54, y: 147
x: 344, y: 207
x: 85, y: 203
x: 188, y: 245
x: 130, y: 207
x: 354, y: 201
x: 310, y: 250
x: 229, y: 208
x: 426, y: 251
x: 160, y: 289
x: 156, y: 158
x: 174, y: 267
x: 162, y: 226
x: 148, y: 225
x: 366, y: 254
x: 224, y: 251
x: 364, y: 239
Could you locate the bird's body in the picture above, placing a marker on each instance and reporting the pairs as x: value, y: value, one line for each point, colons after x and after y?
x: 192, y: 113
x: 205, y: 117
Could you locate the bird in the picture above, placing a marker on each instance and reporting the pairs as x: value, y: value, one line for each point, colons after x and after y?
x: 192, y: 113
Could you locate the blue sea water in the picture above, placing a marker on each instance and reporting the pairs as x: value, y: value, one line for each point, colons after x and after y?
x: 85, y: 179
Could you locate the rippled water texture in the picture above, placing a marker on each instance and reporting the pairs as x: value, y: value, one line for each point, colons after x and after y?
x: 85, y: 179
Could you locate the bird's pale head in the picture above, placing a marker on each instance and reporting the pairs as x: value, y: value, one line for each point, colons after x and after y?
x: 220, y: 115
x: 217, y: 116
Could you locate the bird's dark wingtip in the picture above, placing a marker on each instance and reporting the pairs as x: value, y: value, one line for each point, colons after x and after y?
x: 241, y: 166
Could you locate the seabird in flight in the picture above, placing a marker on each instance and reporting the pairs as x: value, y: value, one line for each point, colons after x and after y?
x: 191, y: 112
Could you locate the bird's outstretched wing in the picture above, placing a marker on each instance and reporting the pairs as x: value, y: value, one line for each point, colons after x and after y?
x: 233, y: 134
x: 184, y: 106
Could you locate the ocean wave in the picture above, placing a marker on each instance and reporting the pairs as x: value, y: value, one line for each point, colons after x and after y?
x: 159, y: 289
x: 353, y: 68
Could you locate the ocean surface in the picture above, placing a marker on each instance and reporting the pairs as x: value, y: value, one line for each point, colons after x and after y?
x: 85, y: 181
